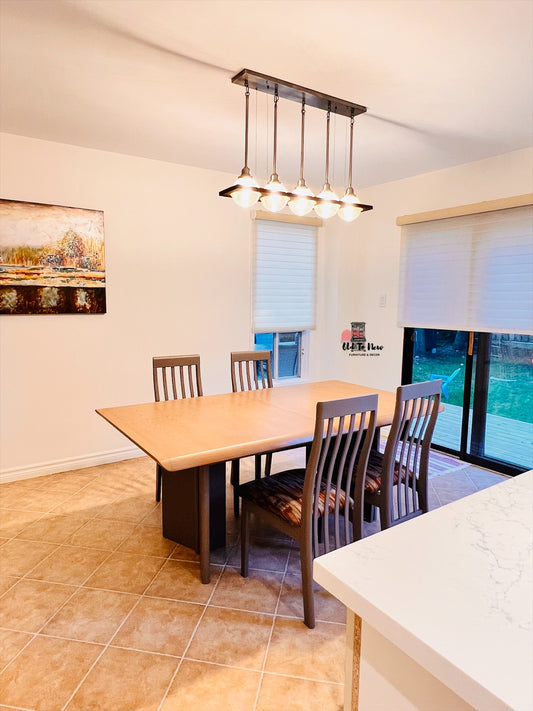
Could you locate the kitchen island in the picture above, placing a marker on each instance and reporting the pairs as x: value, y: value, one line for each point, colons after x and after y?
x: 440, y: 607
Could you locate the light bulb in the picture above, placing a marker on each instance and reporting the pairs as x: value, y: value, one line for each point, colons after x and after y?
x: 304, y: 202
x: 246, y: 196
x: 326, y: 209
x: 350, y: 210
x: 273, y: 201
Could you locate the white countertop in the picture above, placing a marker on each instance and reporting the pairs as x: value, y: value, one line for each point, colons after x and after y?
x: 454, y: 590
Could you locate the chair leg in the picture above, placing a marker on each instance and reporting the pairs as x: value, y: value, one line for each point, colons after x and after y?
x: 306, y: 564
x: 258, y: 466
x: 245, y: 533
x: 235, y: 477
x: 157, y: 483
x: 268, y: 464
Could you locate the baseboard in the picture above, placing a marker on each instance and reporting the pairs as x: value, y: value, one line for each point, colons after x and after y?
x: 65, y: 465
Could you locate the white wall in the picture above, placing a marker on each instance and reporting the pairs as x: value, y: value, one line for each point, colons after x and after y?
x: 178, y: 263
x: 367, y: 259
x: 178, y: 281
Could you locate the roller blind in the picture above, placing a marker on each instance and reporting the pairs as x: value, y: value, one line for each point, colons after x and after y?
x: 470, y: 273
x: 284, y: 276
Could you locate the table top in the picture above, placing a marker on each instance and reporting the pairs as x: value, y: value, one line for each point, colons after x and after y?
x: 181, y: 434
x: 453, y: 589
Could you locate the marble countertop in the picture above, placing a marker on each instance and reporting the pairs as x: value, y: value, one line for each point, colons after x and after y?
x: 454, y: 590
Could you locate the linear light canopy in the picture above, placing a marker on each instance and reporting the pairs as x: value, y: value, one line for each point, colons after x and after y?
x: 274, y: 196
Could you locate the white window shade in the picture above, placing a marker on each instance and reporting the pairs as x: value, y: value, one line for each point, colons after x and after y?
x: 285, y: 276
x: 471, y: 273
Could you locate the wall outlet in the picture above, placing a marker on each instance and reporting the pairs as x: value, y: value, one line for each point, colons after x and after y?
x: 382, y: 301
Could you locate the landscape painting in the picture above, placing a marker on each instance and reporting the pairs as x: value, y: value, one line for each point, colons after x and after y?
x: 51, y: 259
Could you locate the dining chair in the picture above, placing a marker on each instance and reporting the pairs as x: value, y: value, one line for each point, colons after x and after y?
x: 396, y: 480
x: 250, y: 370
x: 311, y: 505
x: 175, y: 377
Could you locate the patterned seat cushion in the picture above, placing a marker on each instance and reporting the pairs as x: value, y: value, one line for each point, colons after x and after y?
x: 374, y: 471
x: 282, y: 494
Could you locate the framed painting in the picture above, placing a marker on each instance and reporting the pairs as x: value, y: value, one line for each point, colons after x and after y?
x: 51, y: 259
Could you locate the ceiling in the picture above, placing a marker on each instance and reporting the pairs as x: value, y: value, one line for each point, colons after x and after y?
x: 445, y: 82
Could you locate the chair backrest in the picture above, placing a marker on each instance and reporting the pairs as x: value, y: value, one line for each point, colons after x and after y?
x: 176, y: 377
x: 335, y: 464
x: 250, y: 370
x: 406, y: 456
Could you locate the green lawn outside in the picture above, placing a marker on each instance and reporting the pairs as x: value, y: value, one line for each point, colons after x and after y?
x: 511, y: 377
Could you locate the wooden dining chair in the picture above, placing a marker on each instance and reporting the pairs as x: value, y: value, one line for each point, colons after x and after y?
x: 175, y: 377
x: 396, y: 480
x: 311, y: 505
x: 250, y: 370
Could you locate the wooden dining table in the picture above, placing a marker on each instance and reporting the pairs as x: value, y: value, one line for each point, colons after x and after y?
x: 192, y: 439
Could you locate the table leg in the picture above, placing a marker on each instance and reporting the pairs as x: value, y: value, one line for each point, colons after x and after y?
x: 203, y: 474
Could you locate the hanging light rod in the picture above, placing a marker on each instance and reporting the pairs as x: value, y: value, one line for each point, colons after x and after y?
x: 295, y: 92
x: 274, y: 196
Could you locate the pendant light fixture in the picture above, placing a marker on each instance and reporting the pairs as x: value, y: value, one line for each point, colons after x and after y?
x: 351, y: 205
x: 245, y: 195
x: 273, y: 199
x: 328, y: 202
x: 303, y: 200
x: 274, y: 196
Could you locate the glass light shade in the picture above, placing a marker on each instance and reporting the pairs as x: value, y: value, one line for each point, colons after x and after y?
x: 350, y: 210
x: 326, y: 209
x: 304, y: 202
x: 273, y: 201
x: 246, y: 196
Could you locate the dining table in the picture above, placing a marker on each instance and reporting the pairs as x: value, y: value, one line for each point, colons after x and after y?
x: 192, y: 439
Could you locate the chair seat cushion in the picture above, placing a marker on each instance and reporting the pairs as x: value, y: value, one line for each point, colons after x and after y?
x: 282, y: 494
x: 374, y: 472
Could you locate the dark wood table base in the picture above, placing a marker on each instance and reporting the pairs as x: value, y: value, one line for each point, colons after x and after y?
x: 185, y: 507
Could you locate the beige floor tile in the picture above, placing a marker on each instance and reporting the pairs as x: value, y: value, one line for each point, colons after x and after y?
x: 30, y: 603
x: 42, y: 500
x: 314, y: 654
x: 52, y: 528
x: 15, y: 521
x: 231, y: 637
x: 327, y: 607
x: 132, y: 509
x: 101, y: 534
x: 148, y: 540
x: 10, y: 645
x: 46, y: 673
x: 210, y: 687
x: 183, y: 553
x: 69, y: 564
x: 180, y: 580
x: 91, y: 615
x: 83, y: 504
x: 258, y: 592
x: 154, y: 518
x: 157, y: 625
x: 126, y: 572
x: 139, y: 680
x: 18, y: 557
x: 289, y: 694
x: 265, y: 554
x: 6, y: 581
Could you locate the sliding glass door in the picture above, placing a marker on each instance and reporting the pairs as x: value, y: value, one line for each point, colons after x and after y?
x: 487, y: 391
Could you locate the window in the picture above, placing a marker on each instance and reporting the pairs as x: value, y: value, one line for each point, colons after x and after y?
x: 285, y: 350
x: 469, y: 273
x: 284, y: 292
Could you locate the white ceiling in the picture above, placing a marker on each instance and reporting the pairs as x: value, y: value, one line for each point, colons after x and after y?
x: 445, y: 81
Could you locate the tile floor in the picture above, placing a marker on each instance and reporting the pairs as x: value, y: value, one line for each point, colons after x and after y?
x: 99, y: 612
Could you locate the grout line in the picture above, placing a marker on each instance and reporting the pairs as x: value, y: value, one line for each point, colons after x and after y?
x: 221, y: 573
